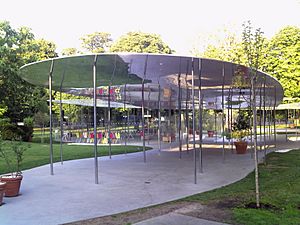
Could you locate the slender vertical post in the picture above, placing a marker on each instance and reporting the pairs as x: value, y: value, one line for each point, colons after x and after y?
x: 231, y: 120
x: 50, y: 115
x: 194, y: 125
x: 125, y: 122
x: 159, y: 118
x: 187, y: 109
x: 95, y: 119
x: 264, y: 115
x: 200, y: 117
x: 296, y: 124
x: 143, y: 107
x: 61, y: 127
x: 228, y: 111
x: 109, y: 123
x: 260, y: 121
x: 286, y: 124
x: 274, y: 118
x: 215, y: 113
x: 179, y: 111
x: 223, y: 137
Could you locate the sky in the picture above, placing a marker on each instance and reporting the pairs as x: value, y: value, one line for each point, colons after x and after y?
x: 182, y: 24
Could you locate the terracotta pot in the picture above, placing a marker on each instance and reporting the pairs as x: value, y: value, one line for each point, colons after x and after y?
x: 2, y: 191
x: 210, y: 133
x: 241, y: 147
x: 12, y: 185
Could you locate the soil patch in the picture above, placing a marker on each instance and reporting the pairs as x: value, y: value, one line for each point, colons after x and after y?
x: 215, y: 211
x: 267, y: 206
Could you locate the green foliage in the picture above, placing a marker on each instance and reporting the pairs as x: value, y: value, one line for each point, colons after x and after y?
x: 97, y: 42
x: 283, y: 60
x: 208, y: 119
x: 230, y: 49
x: 141, y: 43
x: 69, y: 51
x: 72, y: 111
x: 279, y: 56
x: 17, y: 97
x: 12, y: 152
x: 41, y: 119
x: 279, y: 183
x: 242, y: 121
x: 253, y: 43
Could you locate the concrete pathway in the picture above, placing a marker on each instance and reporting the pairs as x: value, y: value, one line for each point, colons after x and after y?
x: 126, y: 183
x: 177, y: 219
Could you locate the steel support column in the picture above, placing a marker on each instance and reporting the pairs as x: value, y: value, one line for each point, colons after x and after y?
x: 95, y: 118
x: 51, y: 117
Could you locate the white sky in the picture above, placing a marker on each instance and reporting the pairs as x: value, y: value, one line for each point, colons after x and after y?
x: 179, y: 22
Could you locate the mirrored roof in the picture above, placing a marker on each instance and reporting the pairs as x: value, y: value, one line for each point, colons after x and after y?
x: 167, y: 79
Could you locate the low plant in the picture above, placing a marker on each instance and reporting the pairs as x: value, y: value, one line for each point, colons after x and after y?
x: 241, y: 126
x: 12, y: 152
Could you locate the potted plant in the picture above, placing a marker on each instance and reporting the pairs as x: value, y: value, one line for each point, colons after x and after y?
x: 2, y: 191
x: 240, y: 130
x: 209, y: 122
x: 13, y: 157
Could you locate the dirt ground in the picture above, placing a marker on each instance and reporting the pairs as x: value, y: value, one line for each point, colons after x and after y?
x: 216, y: 211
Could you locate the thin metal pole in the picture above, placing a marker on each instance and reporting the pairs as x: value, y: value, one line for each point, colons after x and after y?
x: 286, y: 124
x: 194, y: 125
x: 159, y: 118
x: 296, y: 124
x: 215, y: 113
x: 231, y: 120
x: 200, y: 117
x: 187, y: 109
x: 169, y: 119
x: 143, y: 107
x: 61, y: 128
x: 179, y: 111
x: 274, y: 113
x: 109, y: 123
x: 50, y: 115
x: 223, y: 138
x: 264, y: 115
x: 260, y: 122
x: 125, y: 122
x: 61, y: 117
x: 95, y: 118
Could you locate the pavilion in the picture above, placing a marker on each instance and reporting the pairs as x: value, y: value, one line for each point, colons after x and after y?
x: 183, y: 86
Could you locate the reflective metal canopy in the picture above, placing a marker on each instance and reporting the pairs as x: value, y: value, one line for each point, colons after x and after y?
x: 123, y: 76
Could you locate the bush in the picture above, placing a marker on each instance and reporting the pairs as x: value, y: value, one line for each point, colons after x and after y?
x: 11, y: 131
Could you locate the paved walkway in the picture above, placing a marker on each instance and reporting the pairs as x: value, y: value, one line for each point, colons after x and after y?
x: 126, y: 183
x: 177, y: 219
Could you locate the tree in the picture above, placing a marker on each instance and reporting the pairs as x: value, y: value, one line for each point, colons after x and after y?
x: 283, y: 60
x: 141, y: 42
x: 97, y: 42
x: 70, y: 110
x: 70, y: 51
x: 253, y: 45
x: 17, y: 48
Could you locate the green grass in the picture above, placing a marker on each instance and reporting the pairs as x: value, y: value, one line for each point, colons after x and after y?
x: 38, y: 154
x: 279, y: 187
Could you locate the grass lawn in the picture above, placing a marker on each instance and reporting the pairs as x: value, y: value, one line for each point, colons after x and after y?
x: 280, y: 193
x: 38, y: 154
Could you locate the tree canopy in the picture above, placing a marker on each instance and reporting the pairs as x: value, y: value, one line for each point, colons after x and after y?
x: 97, y: 42
x: 142, y: 43
x: 283, y: 60
x: 280, y: 57
x: 18, y: 99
